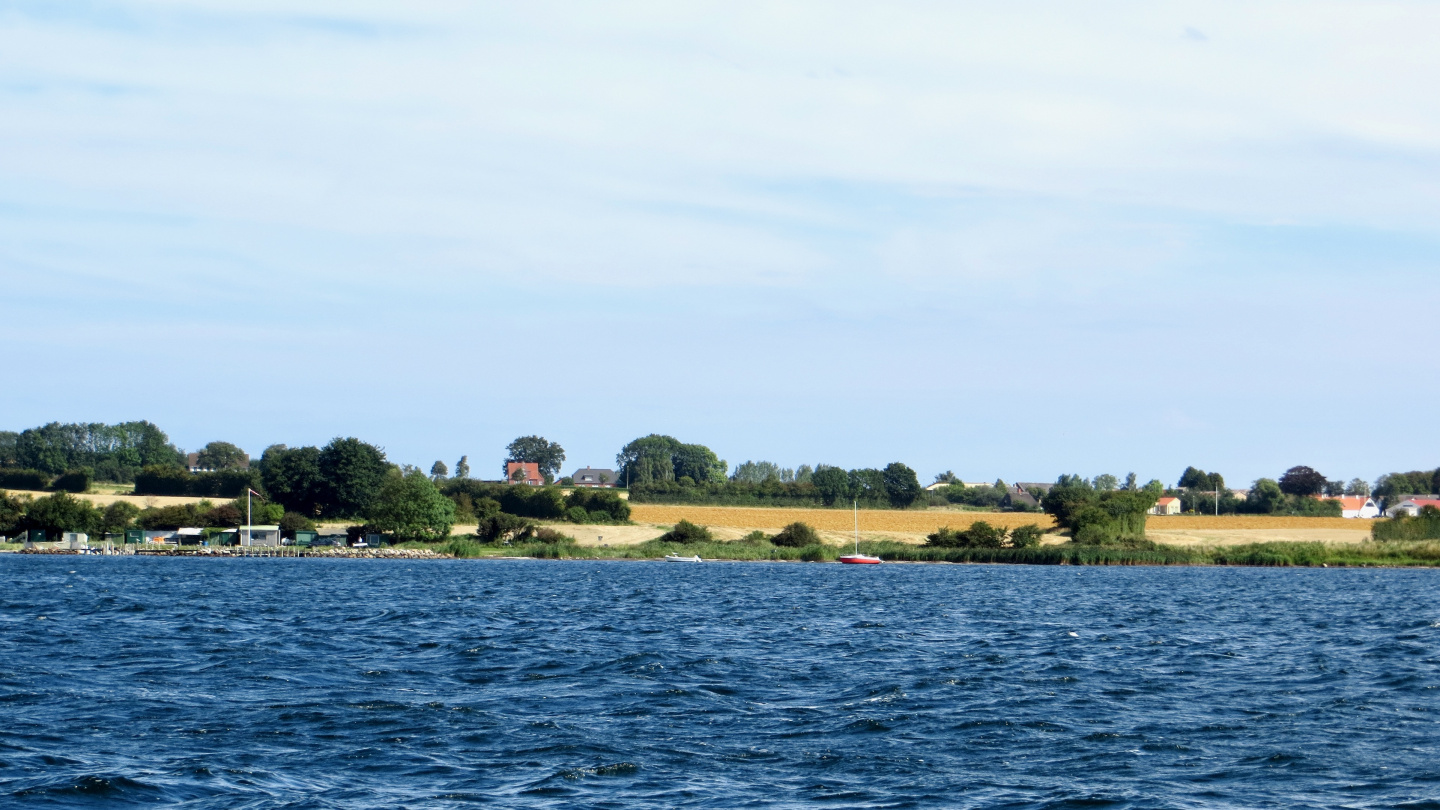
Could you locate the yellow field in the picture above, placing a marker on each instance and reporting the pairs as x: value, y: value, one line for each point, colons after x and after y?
x: 886, y: 520
x: 835, y: 520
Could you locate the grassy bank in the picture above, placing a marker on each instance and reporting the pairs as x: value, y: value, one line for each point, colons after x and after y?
x: 1405, y: 554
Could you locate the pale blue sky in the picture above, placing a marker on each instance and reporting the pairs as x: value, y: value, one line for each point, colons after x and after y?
x: 1007, y: 239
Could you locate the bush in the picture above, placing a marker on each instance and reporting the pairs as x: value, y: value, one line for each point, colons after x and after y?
x: 169, y: 518
x: 600, y: 506
x: 545, y: 534
x: 1027, y: 536
x: 23, y: 479
x: 979, y: 535
x: 74, y: 480
x: 292, y: 522
x: 796, y: 535
x: 1424, y: 526
x: 62, y: 512
x: 161, y: 480
x: 577, y: 514
x: 503, y: 526
x: 685, y: 533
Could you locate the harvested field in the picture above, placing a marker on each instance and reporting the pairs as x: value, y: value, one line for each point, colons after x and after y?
x: 1186, y: 522
x: 142, y: 501
x: 835, y: 520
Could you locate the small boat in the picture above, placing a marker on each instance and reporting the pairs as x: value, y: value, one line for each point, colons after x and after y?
x: 678, y: 558
x: 857, y: 558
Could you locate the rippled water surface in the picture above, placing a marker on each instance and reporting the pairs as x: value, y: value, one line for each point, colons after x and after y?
x: 359, y: 683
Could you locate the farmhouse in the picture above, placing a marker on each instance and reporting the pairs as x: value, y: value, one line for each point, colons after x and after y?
x: 1166, y: 506
x: 1017, y: 498
x: 523, y: 472
x: 1412, y: 506
x: 594, y: 477
x: 1357, y: 507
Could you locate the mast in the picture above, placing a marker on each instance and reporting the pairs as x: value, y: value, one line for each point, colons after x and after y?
x: 856, y: 503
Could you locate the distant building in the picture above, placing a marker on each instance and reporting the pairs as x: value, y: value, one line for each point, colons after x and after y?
x: 1240, y: 494
x: 1357, y: 507
x: 1018, y: 498
x: 1412, y: 506
x: 1167, y: 505
x: 938, y: 484
x: 529, y: 473
x: 595, y: 477
x: 260, y: 535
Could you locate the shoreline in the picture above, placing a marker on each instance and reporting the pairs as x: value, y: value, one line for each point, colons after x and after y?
x: 412, y: 555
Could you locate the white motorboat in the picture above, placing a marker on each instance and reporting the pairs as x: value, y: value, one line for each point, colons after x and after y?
x: 678, y: 558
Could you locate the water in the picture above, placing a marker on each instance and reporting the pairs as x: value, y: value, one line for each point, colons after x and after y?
x: 357, y: 684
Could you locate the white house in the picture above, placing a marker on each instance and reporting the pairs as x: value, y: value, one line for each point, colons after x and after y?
x: 260, y: 535
x: 1358, y: 507
x: 1412, y: 506
x: 1166, y: 506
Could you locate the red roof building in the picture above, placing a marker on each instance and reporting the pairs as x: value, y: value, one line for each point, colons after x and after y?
x: 528, y: 473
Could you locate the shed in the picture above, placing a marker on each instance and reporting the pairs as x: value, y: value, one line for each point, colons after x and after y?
x: 260, y: 535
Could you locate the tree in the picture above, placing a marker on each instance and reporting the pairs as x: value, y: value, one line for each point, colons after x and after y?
x: 220, y: 456
x: 439, y: 470
x: 12, y: 511
x: 1131, y: 482
x: 1265, y: 497
x: 803, y: 474
x: 1302, y: 482
x: 409, y: 507
x: 756, y: 472
x: 902, y: 487
x: 833, y: 484
x: 664, y: 458
x: 62, y: 512
x: 292, y: 478
x: 1105, y: 483
x: 686, y: 532
x: 462, y: 467
x: 946, y: 477
x: 352, y: 473
x: 700, y: 463
x: 1358, y: 487
x: 1334, y: 489
x: 536, y: 450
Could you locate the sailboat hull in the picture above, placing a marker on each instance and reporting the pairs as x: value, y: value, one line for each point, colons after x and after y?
x: 859, y: 559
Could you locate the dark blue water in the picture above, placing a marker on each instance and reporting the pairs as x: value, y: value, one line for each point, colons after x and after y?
x: 357, y: 684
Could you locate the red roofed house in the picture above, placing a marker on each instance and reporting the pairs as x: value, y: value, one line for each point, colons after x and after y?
x: 529, y: 473
x: 1412, y: 506
x: 1166, y: 506
x: 1357, y: 507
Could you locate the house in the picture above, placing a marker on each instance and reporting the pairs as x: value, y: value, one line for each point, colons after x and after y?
x: 1168, y: 505
x: 1240, y: 494
x: 529, y: 473
x: 594, y: 477
x: 1411, y: 506
x: 1357, y: 507
x: 1018, y: 498
x: 74, y: 541
x: 189, y: 536
x: 938, y: 485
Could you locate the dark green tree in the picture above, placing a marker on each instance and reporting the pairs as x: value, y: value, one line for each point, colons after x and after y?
x: 220, y: 456
x: 118, y: 517
x: 62, y: 512
x: 12, y: 511
x: 833, y: 484
x: 902, y: 487
x: 409, y: 507
x: 1265, y: 497
x: 462, y: 467
x: 1302, y: 482
x: 439, y: 470
x: 292, y: 478
x: 353, y: 473
x: 537, y: 450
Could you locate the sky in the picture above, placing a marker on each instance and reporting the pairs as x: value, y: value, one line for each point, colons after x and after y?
x: 1007, y: 239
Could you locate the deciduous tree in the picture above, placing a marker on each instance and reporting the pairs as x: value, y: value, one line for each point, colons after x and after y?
x: 537, y: 450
